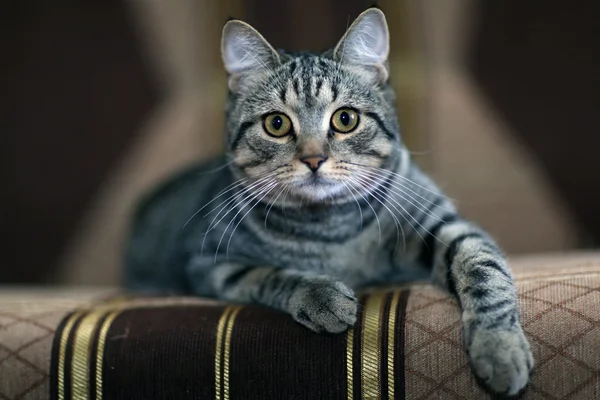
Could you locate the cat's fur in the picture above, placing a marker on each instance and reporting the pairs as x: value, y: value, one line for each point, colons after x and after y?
x: 285, y: 236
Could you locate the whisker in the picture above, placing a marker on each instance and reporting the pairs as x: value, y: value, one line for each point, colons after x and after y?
x: 212, y: 171
x: 226, y: 190
x: 414, y: 183
x: 413, y: 218
x: 396, y: 222
x: 284, y: 199
x: 267, y: 191
x: 414, y: 203
x: 372, y: 209
x: 273, y: 203
x: 399, y: 176
x: 243, y: 193
x: 357, y: 204
x: 401, y: 187
x: 386, y: 197
x: 252, y: 197
x: 413, y: 153
x: 244, y: 190
x: 229, y: 188
x: 242, y: 180
x: 213, y: 225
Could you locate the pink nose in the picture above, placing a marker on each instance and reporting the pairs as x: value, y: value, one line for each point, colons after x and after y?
x: 314, y: 162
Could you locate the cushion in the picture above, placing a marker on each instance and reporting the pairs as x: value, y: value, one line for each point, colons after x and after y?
x: 97, y: 344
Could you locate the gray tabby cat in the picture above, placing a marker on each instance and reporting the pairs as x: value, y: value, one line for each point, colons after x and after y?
x: 316, y: 197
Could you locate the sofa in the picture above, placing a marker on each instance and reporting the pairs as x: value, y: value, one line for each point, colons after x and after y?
x: 84, y: 338
x: 101, y: 343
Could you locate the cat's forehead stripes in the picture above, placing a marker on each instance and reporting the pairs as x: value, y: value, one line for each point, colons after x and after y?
x: 308, y: 79
x: 309, y: 88
x: 305, y: 82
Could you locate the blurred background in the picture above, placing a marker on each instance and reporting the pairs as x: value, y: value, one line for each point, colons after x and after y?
x: 499, y: 101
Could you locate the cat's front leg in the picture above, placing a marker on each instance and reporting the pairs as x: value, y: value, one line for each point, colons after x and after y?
x: 316, y: 301
x: 466, y: 260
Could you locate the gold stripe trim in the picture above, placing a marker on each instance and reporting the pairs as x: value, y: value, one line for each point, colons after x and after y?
x: 80, y: 365
x: 371, y: 347
x: 227, y: 351
x: 100, y: 350
x: 66, y: 332
x: 349, y: 363
x: 391, y: 347
x: 218, y: 351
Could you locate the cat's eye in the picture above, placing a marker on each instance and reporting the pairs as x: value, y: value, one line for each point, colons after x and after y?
x: 344, y: 120
x: 277, y: 124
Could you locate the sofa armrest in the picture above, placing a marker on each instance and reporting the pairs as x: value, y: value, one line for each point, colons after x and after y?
x: 407, y: 344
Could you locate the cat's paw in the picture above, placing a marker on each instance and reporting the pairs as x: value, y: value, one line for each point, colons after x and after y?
x: 502, y: 359
x: 324, y: 305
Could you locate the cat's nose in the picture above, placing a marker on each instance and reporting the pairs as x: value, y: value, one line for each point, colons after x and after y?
x: 314, y: 161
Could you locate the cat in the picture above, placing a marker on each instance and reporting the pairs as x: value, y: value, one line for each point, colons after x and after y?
x: 316, y: 197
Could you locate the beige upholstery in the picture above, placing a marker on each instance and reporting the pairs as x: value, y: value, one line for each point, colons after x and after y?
x: 560, y: 313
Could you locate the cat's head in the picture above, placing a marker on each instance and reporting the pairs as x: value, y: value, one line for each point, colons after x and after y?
x: 316, y: 126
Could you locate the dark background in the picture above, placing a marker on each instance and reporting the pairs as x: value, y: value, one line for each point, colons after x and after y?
x: 76, y: 88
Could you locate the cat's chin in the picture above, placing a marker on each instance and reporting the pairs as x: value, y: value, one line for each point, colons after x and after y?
x: 319, y: 190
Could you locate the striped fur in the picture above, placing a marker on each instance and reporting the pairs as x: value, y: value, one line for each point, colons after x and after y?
x: 258, y: 225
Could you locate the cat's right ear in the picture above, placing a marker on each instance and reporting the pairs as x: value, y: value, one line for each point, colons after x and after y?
x: 245, y: 54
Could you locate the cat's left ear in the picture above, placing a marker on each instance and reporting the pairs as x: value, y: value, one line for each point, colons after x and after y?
x: 366, y: 43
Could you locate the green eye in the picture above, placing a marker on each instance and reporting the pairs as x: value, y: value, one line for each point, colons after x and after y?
x: 277, y: 124
x: 344, y: 120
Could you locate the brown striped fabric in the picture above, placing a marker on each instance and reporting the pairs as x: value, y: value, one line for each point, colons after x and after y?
x: 215, y: 351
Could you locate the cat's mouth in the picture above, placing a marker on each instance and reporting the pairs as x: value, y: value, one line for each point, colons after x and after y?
x: 317, y: 187
x: 317, y: 180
